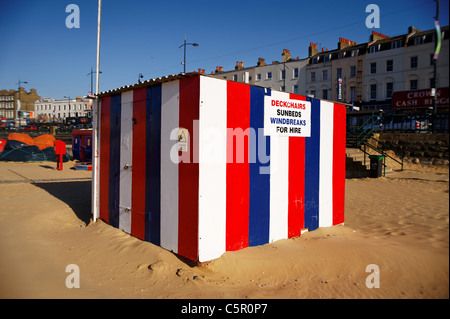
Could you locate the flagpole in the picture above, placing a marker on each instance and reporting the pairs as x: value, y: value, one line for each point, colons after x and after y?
x: 95, y: 137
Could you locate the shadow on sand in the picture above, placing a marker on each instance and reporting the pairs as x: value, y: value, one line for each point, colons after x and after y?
x: 76, y: 194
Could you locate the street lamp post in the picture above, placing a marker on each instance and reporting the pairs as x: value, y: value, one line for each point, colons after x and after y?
x: 19, y: 104
x: 24, y: 82
x: 284, y: 78
x: 184, y: 45
x: 68, y: 98
x: 91, y: 73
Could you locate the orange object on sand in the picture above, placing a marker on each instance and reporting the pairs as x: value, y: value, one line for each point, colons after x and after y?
x: 44, y: 141
x: 24, y: 138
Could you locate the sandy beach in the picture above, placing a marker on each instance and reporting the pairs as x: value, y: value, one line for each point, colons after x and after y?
x: 400, y: 223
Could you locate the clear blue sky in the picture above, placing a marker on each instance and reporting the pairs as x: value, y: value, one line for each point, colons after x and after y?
x: 143, y: 36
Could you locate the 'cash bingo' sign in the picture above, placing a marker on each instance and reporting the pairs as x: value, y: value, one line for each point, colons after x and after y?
x: 286, y: 117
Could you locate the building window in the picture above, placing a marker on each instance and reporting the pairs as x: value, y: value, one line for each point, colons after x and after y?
x: 374, y: 48
x: 396, y: 44
x: 325, y: 94
x: 283, y: 88
x: 313, y: 93
x: 269, y: 75
x: 413, y: 84
x: 389, y: 90
x: 295, y: 89
x: 389, y: 65
x: 339, y: 72
x: 258, y: 77
x: 352, y: 71
x: 414, y: 62
x: 325, y: 75
x: 283, y: 75
x: 373, y: 91
x: 295, y: 73
x: 235, y: 77
x: 418, y: 40
x: 352, y: 93
x: 313, y: 76
x: 373, y: 68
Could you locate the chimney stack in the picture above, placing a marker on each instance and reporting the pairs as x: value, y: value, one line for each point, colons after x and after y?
x: 412, y: 29
x: 377, y: 36
x: 312, y: 50
x: 286, y: 55
x: 261, y: 62
x: 345, y: 43
x: 239, y: 65
x: 219, y: 69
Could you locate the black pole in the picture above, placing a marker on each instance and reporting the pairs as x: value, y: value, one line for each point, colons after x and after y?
x: 435, y: 61
x: 92, y: 73
x: 435, y: 57
x: 184, y: 63
x: 184, y: 45
x: 16, y: 116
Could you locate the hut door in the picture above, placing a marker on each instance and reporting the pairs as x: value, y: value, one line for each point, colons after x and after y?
x: 76, y: 147
x: 88, y: 148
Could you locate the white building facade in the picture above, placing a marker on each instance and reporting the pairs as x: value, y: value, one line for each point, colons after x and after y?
x: 288, y: 75
x: 50, y: 110
x: 403, y: 63
x: 364, y: 74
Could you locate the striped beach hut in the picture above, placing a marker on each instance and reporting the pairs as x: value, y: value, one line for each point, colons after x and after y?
x: 201, y: 166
